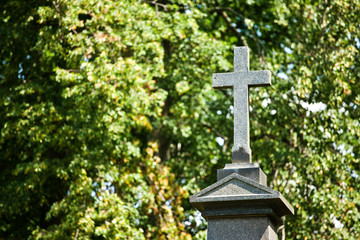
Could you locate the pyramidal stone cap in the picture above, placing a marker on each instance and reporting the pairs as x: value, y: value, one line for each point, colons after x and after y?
x: 236, y: 195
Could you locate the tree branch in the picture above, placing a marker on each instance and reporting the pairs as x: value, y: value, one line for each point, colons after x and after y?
x: 259, y: 46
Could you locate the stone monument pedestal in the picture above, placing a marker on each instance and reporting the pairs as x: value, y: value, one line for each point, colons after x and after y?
x: 250, y: 228
x: 237, y: 207
x: 240, y: 205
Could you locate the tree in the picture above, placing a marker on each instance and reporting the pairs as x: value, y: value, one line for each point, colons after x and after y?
x: 110, y: 121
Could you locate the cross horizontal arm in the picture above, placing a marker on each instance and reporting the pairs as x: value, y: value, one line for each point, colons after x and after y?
x: 224, y: 80
x: 253, y: 78
x: 259, y: 78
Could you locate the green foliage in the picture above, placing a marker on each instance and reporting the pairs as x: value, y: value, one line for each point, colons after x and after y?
x: 109, y: 121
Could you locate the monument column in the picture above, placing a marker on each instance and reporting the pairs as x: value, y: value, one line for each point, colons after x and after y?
x: 240, y: 205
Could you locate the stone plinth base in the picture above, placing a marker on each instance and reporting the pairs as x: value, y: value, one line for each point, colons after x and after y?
x: 237, y: 207
x: 246, y: 228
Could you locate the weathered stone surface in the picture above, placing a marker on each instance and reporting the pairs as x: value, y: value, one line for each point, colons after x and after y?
x: 246, y: 228
x: 240, y: 205
x: 240, y: 80
x: 239, y: 208
x: 238, y: 196
x: 234, y: 187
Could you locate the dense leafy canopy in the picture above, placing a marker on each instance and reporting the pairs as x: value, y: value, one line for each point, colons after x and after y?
x: 109, y: 121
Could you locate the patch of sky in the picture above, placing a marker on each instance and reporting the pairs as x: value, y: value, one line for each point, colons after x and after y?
x: 189, y: 221
x: 357, y: 42
x: 82, y: 66
x: 93, y: 194
x: 354, y: 174
x: 250, y: 109
x: 218, y: 112
x: 220, y: 141
x: 266, y: 102
x: 138, y: 202
x: 288, y: 50
x: 168, y: 203
x: 348, y: 36
x: 20, y: 68
x: 313, y: 107
x: 343, y: 149
x: 337, y: 223
x: 197, y: 218
x: 282, y: 75
x: 258, y: 33
x: 353, y: 105
x: 21, y: 76
x: 290, y: 67
x: 273, y: 112
x: 107, y: 187
x: 188, y: 12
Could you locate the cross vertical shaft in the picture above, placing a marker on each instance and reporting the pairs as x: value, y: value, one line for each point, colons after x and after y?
x: 241, y: 123
x: 240, y: 80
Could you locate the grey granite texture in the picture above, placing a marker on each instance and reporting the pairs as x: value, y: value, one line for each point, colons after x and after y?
x: 246, y: 228
x: 238, y: 196
x: 240, y: 205
x: 240, y: 80
x: 249, y: 170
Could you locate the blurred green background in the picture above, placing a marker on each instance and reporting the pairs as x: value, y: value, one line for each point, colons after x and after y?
x: 108, y: 120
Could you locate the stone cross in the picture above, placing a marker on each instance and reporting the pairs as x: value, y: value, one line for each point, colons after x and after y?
x: 240, y: 80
